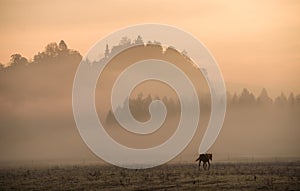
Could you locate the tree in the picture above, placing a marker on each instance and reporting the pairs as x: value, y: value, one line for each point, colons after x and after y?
x: 297, y: 99
x: 52, y: 49
x: 235, y: 99
x: 17, y: 60
x: 291, y: 99
x: 264, y: 98
x: 139, y: 40
x: 149, y: 42
x: 281, y: 100
x: 157, y: 43
x: 62, y: 46
x: 106, y: 53
x: 125, y: 41
x: 246, y: 97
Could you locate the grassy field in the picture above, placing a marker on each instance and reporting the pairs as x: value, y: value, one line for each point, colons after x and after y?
x: 222, y: 176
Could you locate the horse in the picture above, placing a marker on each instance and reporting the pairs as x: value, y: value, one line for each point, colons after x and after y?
x: 205, y: 158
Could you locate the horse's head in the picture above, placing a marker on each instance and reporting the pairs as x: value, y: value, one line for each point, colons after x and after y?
x: 209, y: 156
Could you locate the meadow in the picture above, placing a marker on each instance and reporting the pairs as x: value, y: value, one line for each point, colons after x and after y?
x: 221, y: 176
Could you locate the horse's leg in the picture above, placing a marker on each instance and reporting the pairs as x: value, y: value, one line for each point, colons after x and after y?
x: 208, y: 165
x: 204, y: 164
x: 199, y: 165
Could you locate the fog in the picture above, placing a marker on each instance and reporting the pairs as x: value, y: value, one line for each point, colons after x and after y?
x: 37, y: 124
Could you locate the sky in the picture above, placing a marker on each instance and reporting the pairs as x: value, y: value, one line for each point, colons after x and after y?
x: 256, y: 43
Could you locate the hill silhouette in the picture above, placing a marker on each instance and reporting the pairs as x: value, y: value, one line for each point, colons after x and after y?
x: 37, y: 121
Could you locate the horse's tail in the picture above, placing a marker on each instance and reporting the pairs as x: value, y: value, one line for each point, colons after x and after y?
x: 198, y: 159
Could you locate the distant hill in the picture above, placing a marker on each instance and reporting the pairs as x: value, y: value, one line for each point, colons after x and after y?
x: 37, y: 120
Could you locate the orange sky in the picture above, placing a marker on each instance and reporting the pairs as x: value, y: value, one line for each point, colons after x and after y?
x: 256, y: 43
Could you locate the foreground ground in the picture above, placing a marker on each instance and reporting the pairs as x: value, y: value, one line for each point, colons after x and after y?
x: 221, y: 176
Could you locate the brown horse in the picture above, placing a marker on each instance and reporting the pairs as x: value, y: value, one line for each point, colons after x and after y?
x: 205, y: 158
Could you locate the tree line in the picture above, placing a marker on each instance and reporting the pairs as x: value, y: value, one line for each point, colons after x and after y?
x: 248, y: 98
x: 139, y: 106
x: 52, y: 52
x: 54, y: 63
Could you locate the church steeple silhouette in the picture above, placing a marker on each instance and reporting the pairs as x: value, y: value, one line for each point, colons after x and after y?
x: 106, y: 54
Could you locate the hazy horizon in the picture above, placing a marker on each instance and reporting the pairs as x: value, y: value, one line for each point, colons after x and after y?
x: 31, y: 121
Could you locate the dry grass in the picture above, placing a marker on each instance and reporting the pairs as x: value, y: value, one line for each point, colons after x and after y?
x: 221, y: 176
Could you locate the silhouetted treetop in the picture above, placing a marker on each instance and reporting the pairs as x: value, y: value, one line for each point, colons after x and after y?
x: 125, y: 41
x: 106, y: 53
x: 17, y: 60
x: 264, y: 98
x: 235, y: 99
x: 281, y: 100
x: 52, y: 50
x: 291, y: 99
x: 139, y: 40
x: 62, y: 46
x: 246, y: 97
